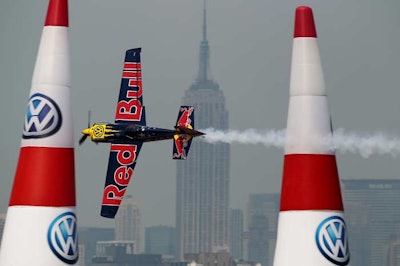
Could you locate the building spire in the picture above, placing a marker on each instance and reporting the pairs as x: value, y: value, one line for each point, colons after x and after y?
x: 204, y: 51
x: 204, y: 21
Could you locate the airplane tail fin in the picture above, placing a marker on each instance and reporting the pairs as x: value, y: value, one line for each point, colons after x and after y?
x: 185, y: 129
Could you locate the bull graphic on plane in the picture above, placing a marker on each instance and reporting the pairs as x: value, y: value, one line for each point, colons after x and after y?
x: 129, y: 132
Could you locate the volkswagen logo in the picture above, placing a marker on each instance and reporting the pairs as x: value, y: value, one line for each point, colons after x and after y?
x: 43, y: 117
x: 331, y: 238
x: 62, y: 237
x: 98, y: 131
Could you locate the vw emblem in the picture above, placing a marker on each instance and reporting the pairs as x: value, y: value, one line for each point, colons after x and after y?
x: 98, y: 131
x: 331, y: 238
x: 43, y: 117
x: 62, y: 237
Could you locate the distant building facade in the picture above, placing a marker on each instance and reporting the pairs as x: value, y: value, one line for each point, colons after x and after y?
x: 262, y: 219
x: 88, y: 238
x: 202, y: 193
x: 210, y: 259
x: 358, y: 223
x: 377, y: 201
x: 82, y: 255
x: 128, y: 222
x: 160, y: 240
x: 394, y: 251
x: 2, y: 223
x: 258, y: 239
x: 121, y: 253
x: 236, y: 234
x: 246, y: 244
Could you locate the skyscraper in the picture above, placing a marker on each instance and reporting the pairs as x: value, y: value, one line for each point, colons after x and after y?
x: 127, y: 222
x: 202, y: 206
x: 262, y: 219
x: 258, y: 239
x: 236, y: 234
x: 376, y: 203
x: 160, y: 240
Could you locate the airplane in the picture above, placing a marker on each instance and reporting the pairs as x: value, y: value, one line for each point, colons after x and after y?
x: 129, y: 132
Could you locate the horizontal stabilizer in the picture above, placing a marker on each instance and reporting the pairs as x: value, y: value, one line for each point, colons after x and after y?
x: 181, y: 146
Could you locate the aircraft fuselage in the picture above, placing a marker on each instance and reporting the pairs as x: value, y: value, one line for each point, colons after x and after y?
x: 125, y: 133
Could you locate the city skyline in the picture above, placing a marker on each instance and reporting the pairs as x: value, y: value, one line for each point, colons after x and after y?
x: 372, y: 225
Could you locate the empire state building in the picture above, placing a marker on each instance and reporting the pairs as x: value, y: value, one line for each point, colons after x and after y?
x: 202, y: 200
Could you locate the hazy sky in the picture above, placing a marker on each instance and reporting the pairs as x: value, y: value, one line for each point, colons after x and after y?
x: 250, y: 42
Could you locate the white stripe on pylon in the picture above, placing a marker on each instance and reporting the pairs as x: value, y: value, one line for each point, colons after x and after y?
x: 31, y: 234
x: 52, y: 62
x: 307, y: 77
x: 308, y: 125
x: 51, y: 84
x: 311, y: 238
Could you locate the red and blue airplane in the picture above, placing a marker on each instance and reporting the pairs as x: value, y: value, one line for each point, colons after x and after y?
x: 129, y: 132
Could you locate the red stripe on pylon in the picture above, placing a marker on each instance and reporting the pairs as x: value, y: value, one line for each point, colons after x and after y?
x: 44, y: 177
x: 304, y: 25
x: 310, y: 182
x: 57, y: 13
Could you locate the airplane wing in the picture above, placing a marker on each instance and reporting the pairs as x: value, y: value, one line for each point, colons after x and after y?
x: 123, y: 156
x: 121, y: 163
x: 130, y: 107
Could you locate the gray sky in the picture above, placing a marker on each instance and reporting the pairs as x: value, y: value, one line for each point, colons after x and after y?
x: 250, y: 42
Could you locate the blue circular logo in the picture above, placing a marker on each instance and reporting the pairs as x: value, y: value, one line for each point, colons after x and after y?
x: 43, y: 117
x: 62, y: 237
x: 331, y: 238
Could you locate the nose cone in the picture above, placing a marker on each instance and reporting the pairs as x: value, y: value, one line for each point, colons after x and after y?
x: 304, y: 25
x: 57, y: 13
x: 86, y: 131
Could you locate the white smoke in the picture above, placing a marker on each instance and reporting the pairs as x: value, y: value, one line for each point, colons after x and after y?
x: 365, y: 144
x: 267, y: 137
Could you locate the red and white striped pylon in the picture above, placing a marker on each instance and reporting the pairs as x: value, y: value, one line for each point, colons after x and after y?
x: 41, y: 225
x: 311, y: 227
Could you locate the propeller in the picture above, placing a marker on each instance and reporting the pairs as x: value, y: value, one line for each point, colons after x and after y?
x: 84, y: 136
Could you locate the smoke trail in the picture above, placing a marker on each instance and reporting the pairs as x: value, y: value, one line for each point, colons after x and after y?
x: 267, y: 137
x: 365, y: 144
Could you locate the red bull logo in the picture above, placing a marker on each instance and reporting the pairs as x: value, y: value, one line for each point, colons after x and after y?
x: 180, y: 147
x: 125, y: 157
x: 129, y: 106
x: 184, y: 119
x: 182, y: 141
